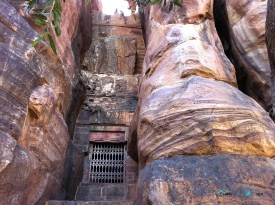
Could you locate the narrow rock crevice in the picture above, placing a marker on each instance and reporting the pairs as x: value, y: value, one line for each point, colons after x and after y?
x: 252, y: 70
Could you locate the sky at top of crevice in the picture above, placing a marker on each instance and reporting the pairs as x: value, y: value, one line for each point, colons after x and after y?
x: 110, y: 6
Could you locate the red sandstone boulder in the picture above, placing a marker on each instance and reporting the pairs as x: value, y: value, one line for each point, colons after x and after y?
x: 188, y: 102
x: 221, y: 179
x: 198, y: 116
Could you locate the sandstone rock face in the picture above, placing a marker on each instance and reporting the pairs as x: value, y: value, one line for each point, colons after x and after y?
x: 75, y: 35
x: 36, y: 89
x: 189, y: 105
x: 202, y: 116
x: 45, y: 133
x: 112, y: 55
x: 188, y: 102
x: 271, y: 48
x: 241, y: 25
x: 231, y: 179
x: 24, y: 180
x: 128, y: 44
x: 76, y: 39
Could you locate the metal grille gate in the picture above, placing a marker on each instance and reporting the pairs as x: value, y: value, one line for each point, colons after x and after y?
x: 108, y: 162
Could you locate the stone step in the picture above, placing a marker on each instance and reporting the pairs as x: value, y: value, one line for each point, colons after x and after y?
x: 89, y: 203
x: 105, y: 192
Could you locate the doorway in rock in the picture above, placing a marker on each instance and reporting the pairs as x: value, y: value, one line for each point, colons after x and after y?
x: 107, y: 162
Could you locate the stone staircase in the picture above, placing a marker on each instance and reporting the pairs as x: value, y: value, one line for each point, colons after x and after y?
x: 101, y: 194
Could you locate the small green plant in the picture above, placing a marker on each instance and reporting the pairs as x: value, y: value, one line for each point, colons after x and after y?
x: 46, y: 14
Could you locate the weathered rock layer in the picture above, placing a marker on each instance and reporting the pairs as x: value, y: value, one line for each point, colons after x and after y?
x: 189, y: 104
x: 37, y: 159
x: 241, y: 27
x: 202, y: 116
x: 221, y: 179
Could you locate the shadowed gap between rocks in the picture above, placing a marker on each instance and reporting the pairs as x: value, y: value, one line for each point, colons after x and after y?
x: 250, y: 80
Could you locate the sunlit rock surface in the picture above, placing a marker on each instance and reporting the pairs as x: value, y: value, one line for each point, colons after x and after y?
x: 38, y: 162
x: 189, y: 104
x: 241, y: 27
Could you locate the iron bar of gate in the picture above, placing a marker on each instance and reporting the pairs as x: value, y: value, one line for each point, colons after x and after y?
x: 108, y: 163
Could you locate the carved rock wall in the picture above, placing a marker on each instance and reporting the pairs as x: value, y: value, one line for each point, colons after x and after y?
x: 112, y: 55
x: 110, y: 100
x: 128, y: 29
x: 38, y: 160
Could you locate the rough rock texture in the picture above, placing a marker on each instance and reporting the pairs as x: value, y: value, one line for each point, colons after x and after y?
x: 73, y: 170
x: 36, y: 89
x: 76, y: 32
x: 45, y: 133
x: 76, y: 39
x: 202, y: 116
x: 189, y: 105
x: 187, y: 102
x: 89, y: 203
x: 241, y: 27
x: 270, y: 29
x: 231, y: 179
x: 24, y: 180
x: 105, y: 26
x: 110, y: 99
x: 112, y: 55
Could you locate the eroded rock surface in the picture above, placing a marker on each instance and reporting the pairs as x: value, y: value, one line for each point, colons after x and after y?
x: 36, y: 90
x: 271, y: 48
x: 188, y: 102
x: 241, y: 26
x: 76, y: 32
x: 231, y: 179
x: 202, y: 116
x: 24, y: 180
x: 45, y: 133
x: 112, y: 55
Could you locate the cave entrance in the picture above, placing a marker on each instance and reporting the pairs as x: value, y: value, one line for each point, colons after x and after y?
x: 107, y: 163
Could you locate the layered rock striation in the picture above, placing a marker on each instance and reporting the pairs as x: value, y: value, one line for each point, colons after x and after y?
x: 241, y: 28
x: 187, y: 94
x: 189, y: 104
x: 37, y: 89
